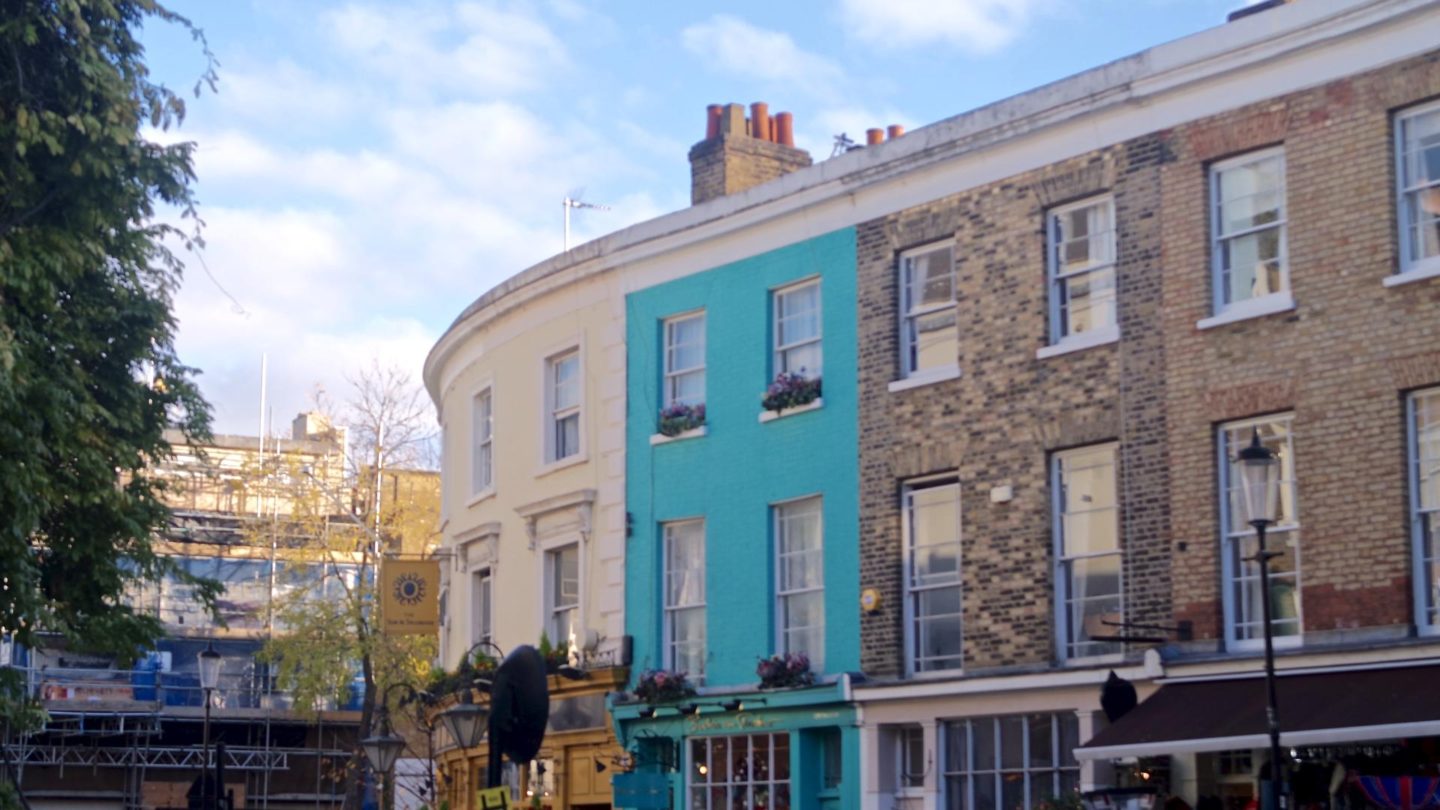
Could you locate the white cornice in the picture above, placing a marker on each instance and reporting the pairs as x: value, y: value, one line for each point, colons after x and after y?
x: 1257, y: 57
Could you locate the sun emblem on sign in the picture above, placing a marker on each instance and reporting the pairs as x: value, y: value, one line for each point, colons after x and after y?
x: 409, y: 589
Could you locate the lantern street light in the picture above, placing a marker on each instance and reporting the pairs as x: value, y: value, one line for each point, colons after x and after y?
x: 209, y: 662
x: 466, y: 721
x: 1259, y: 496
x: 383, y: 750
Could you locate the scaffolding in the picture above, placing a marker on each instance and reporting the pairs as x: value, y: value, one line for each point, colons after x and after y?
x: 249, y: 513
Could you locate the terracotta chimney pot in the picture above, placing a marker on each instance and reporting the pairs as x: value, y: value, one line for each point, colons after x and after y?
x: 785, y: 129
x: 894, y: 131
x: 712, y: 121
x: 760, y: 120
x: 874, y: 136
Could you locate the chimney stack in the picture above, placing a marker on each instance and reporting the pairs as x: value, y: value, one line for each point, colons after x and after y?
x: 740, y: 152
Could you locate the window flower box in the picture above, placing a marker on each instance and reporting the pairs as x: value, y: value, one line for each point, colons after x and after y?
x: 678, y: 417
x: 790, y: 390
x: 785, y: 671
x: 663, y: 686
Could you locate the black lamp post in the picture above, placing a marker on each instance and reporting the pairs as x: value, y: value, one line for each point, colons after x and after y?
x: 382, y: 750
x: 1260, y: 489
x: 209, y: 661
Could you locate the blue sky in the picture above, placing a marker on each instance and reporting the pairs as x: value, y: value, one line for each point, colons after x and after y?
x: 368, y: 169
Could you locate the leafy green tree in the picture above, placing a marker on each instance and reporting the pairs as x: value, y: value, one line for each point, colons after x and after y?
x: 89, y: 376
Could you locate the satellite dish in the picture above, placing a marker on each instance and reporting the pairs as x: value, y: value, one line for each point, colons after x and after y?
x: 519, y: 709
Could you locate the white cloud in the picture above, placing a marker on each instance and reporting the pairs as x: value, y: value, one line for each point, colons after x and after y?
x: 476, y: 48
x: 977, y: 26
x: 732, y: 45
x: 435, y: 179
x: 285, y: 91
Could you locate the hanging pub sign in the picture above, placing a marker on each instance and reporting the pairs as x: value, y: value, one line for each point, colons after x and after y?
x: 410, y: 597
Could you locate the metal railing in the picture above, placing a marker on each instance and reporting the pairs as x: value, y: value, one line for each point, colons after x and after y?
x: 65, y: 689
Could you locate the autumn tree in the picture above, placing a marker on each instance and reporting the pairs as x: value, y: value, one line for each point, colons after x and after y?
x: 89, y: 376
x: 323, y: 640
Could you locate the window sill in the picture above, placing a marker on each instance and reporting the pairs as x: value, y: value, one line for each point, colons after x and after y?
x: 563, y: 463
x: 934, y: 674
x: 1254, y: 308
x: 1258, y: 645
x: 1423, y: 272
x: 483, y: 495
x: 1080, y: 342
x: 1093, y: 660
x: 770, y: 416
x: 693, y: 433
x: 928, y: 377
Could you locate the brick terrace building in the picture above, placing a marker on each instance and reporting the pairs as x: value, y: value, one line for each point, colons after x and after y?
x: 1058, y: 362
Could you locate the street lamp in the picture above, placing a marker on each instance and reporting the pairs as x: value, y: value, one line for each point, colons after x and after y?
x: 466, y: 721
x: 1259, y: 496
x: 382, y: 750
x: 209, y: 661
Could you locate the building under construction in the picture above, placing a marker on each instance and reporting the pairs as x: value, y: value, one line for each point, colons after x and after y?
x: 250, y: 513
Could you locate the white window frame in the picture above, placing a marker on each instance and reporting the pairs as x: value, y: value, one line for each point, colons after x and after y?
x: 673, y: 374
x: 553, y: 607
x: 909, y: 775
x: 1274, y: 301
x: 778, y: 349
x: 909, y: 314
x: 1108, y: 333
x: 699, y: 785
x: 555, y: 415
x: 1427, y: 583
x: 672, y: 661
x: 778, y: 512
x: 907, y: 575
x: 1061, y: 761
x: 1411, y: 268
x: 482, y: 443
x: 1064, y: 626
x: 482, y: 598
x: 1278, y: 537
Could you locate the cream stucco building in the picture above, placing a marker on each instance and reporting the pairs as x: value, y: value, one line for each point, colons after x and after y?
x: 532, y: 504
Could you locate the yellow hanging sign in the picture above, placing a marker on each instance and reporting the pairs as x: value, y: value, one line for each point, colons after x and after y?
x: 493, y: 798
x: 410, y: 597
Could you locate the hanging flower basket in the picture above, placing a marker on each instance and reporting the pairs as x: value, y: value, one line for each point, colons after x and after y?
x: 478, y: 667
x: 790, y: 390
x: 554, y: 655
x: 677, y: 417
x: 663, y: 686
x: 785, y: 671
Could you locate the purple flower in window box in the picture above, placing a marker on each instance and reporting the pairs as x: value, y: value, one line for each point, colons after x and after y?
x: 784, y: 671
x: 678, y: 417
x: 791, y: 390
x: 663, y: 686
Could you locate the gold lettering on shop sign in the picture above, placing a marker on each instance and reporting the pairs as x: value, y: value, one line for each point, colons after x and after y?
x: 743, y: 721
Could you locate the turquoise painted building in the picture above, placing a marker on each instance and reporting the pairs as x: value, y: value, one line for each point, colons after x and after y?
x: 744, y: 528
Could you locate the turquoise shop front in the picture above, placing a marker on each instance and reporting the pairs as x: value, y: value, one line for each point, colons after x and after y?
x: 789, y: 749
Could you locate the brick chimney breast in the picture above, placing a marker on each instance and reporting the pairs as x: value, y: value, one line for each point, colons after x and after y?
x: 741, y: 152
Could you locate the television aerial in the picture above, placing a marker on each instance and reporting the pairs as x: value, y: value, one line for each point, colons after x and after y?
x: 572, y: 200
